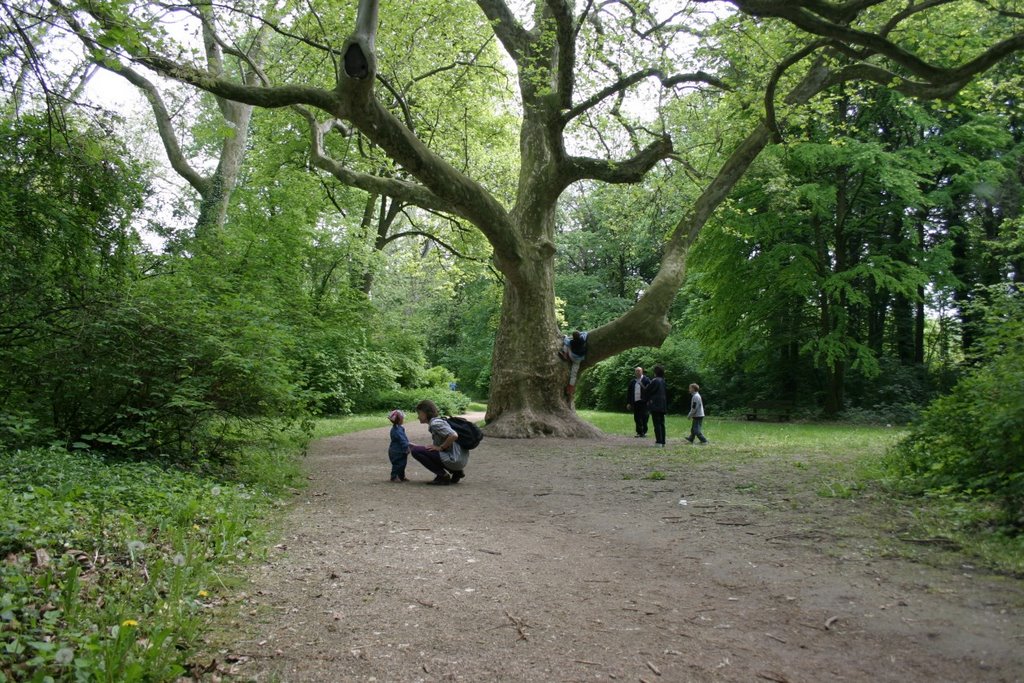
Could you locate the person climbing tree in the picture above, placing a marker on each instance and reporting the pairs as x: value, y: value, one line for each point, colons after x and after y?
x: 574, y: 350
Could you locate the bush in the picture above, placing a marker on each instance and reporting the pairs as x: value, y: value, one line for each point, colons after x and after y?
x: 448, y: 402
x: 109, y: 565
x: 971, y: 442
x: 603, y: 387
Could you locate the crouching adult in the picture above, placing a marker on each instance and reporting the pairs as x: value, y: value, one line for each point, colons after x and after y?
x: 444, y: 457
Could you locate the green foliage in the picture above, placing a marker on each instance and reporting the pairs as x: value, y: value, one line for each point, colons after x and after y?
x: 971, y: 442
x: 609, y: 248
x: 448, y: 402
x: 110, y: 565
x: 462, y: 333
x: 809, y: 278
x: 107, y: 348
x: 603, y: 386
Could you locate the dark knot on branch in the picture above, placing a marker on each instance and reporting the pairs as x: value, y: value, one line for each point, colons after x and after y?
x: 356, y: 64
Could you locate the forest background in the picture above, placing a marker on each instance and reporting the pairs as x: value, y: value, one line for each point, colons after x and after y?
x: 181, y: 283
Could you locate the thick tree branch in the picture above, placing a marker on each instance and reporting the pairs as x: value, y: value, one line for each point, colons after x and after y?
x: 359, y: 57
x: 565, y: 59
x: 773, y: 83
x: 634, y: 78
x: 164, y: 127
x: 800, y: 16
x: 402, y: 190
x: 954, y: 81
x: 270, y: 97
x: 504, y: 24
x: 839, y: 12
x: 631, y: 170
x: 646, y: 323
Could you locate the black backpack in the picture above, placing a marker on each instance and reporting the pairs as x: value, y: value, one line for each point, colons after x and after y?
x: 469, y: 434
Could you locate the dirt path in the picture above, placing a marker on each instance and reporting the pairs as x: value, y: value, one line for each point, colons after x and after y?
x: 549, y: 563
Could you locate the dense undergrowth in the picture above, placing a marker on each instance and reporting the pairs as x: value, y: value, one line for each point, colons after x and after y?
x: 108, y: 567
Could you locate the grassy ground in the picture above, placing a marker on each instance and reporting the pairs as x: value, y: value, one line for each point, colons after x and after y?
x: 110, y: 568
x: 846, y: 461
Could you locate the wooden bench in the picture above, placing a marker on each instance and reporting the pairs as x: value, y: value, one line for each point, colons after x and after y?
x: 779, y: 410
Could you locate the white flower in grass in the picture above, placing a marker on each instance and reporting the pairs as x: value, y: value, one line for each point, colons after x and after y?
x: 215, y: 491
x: 178, y: 560
x: 64, y: 656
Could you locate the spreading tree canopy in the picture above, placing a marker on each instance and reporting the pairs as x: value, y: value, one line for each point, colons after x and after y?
x: 580, y: 69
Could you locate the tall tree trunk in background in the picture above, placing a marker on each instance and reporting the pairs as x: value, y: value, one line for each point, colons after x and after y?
x: 835, y: 380
x: 215, y: 196
x: 214, y: 190
x: 919, y: 317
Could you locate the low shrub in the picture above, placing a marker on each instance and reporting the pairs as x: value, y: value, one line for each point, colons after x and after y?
x: 110, y: 565
x: 448, y: 402
x: 971, y: 442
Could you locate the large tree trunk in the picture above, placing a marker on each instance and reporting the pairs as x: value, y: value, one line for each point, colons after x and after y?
x: 528, y: 378
x: 835, y: 379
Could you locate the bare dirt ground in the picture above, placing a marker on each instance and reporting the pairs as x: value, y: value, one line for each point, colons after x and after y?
x: 559, y: 561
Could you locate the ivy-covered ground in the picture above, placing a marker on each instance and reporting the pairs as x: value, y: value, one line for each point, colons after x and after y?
x: 762, y: 556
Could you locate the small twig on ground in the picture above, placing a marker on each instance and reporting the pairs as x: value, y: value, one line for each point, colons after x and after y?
x: 520, y: 626
x: 489, y: 552
x: 938, y: 540
x: 781, y: 640
x: 653, y: 668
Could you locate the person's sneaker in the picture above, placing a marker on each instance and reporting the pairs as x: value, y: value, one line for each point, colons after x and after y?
x: 705, y: 442
x: 457, y: 476
x: 442, y: 480
x: 688, y: 440
x: 395, y: 480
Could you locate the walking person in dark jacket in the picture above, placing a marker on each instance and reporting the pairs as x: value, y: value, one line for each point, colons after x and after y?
x: 636, y: 400
x: 657, y: 403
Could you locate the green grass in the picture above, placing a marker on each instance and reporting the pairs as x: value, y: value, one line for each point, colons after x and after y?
x: 741, y: 436
x: 112, y: 566
x: 841, y: 458
x: 844, y: 461
x: 335, y: 426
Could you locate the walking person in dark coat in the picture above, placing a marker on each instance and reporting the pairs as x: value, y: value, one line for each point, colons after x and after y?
x: 657, y: 403
x: 636, y: 400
